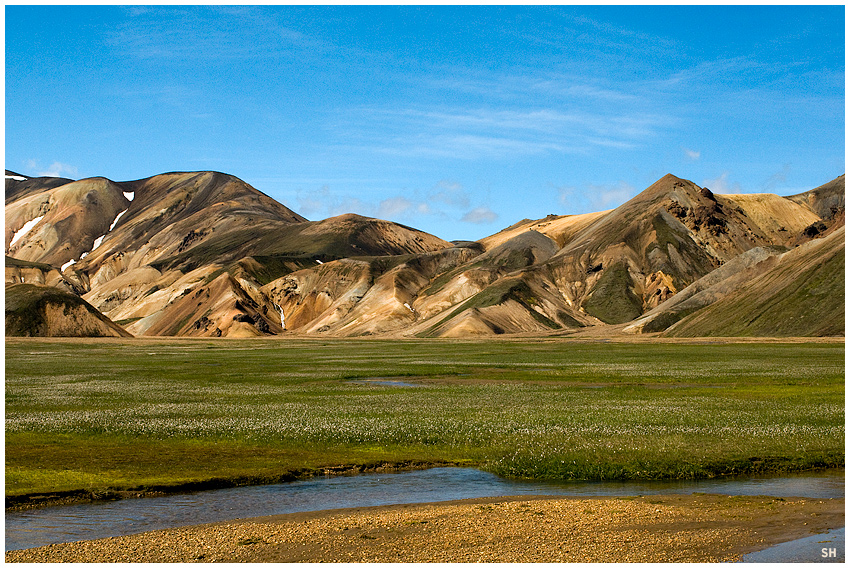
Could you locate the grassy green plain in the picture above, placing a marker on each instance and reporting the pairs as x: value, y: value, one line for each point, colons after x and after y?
x: 135, y: 414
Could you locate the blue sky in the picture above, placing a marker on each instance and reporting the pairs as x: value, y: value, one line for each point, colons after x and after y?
x: 456, y: 120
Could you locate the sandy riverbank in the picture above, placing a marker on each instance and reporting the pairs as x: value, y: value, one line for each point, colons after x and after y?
x: 670, y: 528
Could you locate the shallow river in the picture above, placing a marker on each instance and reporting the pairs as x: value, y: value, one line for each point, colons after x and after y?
x: 87, y: 521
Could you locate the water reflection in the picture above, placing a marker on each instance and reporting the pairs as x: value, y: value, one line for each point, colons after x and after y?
x: 38, y: 527
x: 827, y: 547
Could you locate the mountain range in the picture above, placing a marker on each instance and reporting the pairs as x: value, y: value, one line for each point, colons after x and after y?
x: 206, y: 254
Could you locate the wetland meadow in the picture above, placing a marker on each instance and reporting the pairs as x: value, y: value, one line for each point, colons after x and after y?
x: 101, y: 417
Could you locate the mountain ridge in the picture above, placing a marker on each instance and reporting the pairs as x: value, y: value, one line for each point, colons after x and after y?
x: 205, y: 254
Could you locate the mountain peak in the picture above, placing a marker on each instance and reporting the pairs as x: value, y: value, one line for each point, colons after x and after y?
x: 670, y: 178
x: 207, y: 251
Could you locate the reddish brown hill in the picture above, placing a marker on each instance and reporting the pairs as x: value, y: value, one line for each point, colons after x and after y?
x: 136, y: 249
x: 203, y: 253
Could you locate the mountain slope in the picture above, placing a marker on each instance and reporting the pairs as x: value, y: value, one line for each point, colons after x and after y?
x: 643, y: 252
x: 617, y: 265
x: 58, y: 224
x: 34, y: 310
x: 205, y: 254
x: 825, y: 201
x: 136, y: 249
x: 712, y: 287
x: 802, y: 294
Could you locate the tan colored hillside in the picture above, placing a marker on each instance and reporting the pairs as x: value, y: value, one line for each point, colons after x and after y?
x: 204, y: 254
x: 801, y: 294
x: 36, y: 310
x: 69, y: 220
x: 773, y: 217
x: 558, y: 228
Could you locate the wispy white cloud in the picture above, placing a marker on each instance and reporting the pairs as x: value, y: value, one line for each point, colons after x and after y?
x: 400, y: 207
x: 450, y: 193
x: 583, y: 35
x: 776, y: 180
x: 474, y: 146
x: 614, y: 36
x: 593, y: 197
x: 608, y: 196
x: 582, y: 91
x: 566, y: 90
x: 395, y: 207
x: 498, y: 132
x: 323, y: 203
x: 692, y: 155
x: 171, y: 95
x: 350, y: 204
x: 56, y: 169
x: 196, y: 33
x: 313, y: 202
x: 480, y: 216
x: 722, y: 184
x: 710, y: 71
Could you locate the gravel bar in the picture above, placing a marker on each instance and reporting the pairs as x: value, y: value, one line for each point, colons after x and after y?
x: 668, y: 528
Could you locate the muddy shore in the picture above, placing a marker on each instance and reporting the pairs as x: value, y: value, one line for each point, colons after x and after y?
x: 668, y: 528
x: 58, y: 498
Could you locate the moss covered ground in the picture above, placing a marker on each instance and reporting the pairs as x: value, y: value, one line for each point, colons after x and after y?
x: 137, y: 414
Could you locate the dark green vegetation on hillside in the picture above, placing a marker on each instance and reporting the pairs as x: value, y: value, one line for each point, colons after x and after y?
x: 26, y: 264
x: 612, y: 299
x: 493, y: 295
x: 140, y: 414
x: 809, y: 302
x: 27, y: 309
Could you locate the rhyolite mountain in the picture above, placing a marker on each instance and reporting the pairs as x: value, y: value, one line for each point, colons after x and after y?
x: 205, y: 254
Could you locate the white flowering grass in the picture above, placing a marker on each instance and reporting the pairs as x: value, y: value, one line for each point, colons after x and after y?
x: 183, y: 409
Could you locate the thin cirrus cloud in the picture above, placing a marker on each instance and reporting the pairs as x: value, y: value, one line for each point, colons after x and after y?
x: 324, y: 203
x: 499, y: 133
x: 468, y: 146
x: 197, y: 34
x: 776, y: 179
x: 593, y: 197
x: 480, y: 216
x: 567, y: 89
x: 450, y: 193
x: 447, y: 200
x: 398, y: 206
x: 692, y: 155
x: 616, y: 37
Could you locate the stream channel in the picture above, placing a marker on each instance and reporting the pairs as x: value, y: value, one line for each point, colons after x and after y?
x: 67, y: 523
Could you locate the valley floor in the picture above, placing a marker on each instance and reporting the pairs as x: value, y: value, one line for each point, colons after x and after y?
x: 95, y: 417
x: 672, y: 528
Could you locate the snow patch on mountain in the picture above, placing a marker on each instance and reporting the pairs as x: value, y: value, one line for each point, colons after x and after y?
x: 112, y: 225
x: 25, y: 229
